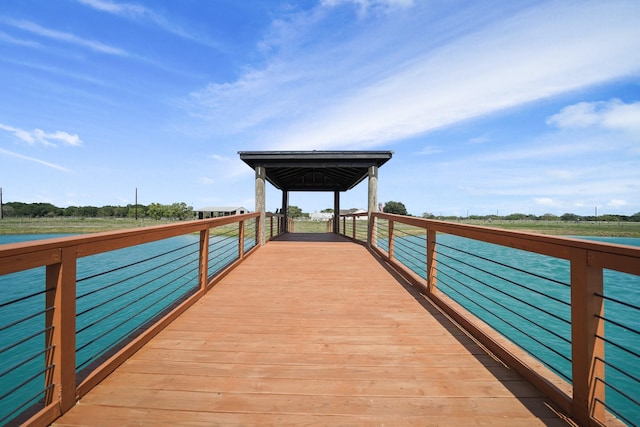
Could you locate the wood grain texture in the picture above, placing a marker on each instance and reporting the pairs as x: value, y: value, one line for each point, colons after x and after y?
x: 309, y: 333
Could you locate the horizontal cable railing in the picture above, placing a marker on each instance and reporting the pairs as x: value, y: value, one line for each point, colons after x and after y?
x: 73, y: 308
x: 516, y: 302
x: 114, y: 304
x: 571, y: 304
x: 621, y: 338
x: 22, y: 352
x: 354, y: 226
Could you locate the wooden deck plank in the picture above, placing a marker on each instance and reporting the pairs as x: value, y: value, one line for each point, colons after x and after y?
x: 312, y: 333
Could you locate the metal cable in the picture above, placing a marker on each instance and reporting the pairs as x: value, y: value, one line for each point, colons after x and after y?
x: 153, y: 279
x: 24, y: 319
x: 513, y: 282
x: 504, y: 321
x: 101, y: 303
x: 559, y: 282
x: 152, y: 304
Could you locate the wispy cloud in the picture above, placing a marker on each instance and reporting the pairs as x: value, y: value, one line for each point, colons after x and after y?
x: 4, y: 37
x: 371, y: 6
x: 32, y: 159
x: 126, y: 9
x: 366, y: 90
x: 137, y: 12
x: 609, y: 115
x: 427, y: 151
x: 39, y: 30
x: 42, y: 137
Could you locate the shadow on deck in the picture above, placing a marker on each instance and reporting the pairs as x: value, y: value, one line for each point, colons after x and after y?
x: 313, y: 329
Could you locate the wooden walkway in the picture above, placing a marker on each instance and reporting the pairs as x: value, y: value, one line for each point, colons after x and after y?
x: 312, y: 333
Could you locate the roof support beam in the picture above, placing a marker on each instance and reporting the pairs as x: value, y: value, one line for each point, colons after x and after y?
x: 261, y: 202
x: 336, y: 212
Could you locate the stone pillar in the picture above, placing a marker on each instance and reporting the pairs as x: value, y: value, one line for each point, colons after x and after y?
x: 261, y: 202
x: 373, y: 190
x: 336, y: 211
x: 372, y: 204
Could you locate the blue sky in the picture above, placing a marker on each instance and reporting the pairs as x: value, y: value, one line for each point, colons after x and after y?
x: 489, y: 106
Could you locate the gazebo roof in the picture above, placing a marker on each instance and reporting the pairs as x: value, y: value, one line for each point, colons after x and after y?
x: 315, y: 170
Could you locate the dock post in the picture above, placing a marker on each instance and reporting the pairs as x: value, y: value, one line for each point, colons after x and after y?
x: 285, y: 211
x: 336, y: 212
x: 261, y: 202
x: 373, y: 200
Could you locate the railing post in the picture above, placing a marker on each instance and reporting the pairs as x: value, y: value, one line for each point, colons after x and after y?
x: 354, y: 227
x: 431, y: 260
x: 391, y: 242
x: 270, y: 227
x: 241, y: 240
x: 204, y: 260
x: 61, y: 330
x: 372, y: 231
x: 587, y: 311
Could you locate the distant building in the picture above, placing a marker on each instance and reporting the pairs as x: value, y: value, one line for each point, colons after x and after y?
x: 321, y: 216
x: 354, y: 211
x: 218, y: 211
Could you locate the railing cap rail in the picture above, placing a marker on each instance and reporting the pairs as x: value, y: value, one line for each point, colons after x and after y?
x: 464, y: 230
x: 145, y: 235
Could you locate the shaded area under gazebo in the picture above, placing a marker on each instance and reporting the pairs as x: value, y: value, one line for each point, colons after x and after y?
x: 328, y: 171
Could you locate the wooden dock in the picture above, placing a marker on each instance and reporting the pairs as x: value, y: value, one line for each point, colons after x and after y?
x: 313, y: 331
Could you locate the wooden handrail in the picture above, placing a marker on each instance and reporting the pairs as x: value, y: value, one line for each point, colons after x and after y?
x: 59, y: 256
x: 587, y: 261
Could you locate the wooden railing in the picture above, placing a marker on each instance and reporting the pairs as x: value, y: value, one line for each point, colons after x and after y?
x: 422, y: 251
x: 225, y: 241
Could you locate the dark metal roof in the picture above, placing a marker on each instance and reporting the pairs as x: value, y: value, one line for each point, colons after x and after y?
x: 315, y: 170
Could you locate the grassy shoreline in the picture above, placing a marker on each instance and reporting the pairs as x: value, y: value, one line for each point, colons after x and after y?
x: 65, y: 225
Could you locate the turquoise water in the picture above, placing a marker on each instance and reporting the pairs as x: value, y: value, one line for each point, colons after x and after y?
x: 530, y: 303
x: 525, y: 296
x: 117, y: 293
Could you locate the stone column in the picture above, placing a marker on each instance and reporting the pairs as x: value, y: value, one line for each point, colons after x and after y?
x: 373, y: 190
x: 261, y: 202
x: 373, y: 203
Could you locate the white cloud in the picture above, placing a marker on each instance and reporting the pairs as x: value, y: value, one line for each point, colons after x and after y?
x: 9, y: 39
x: 42, y: 137
x: 206, y: 180
x: 544, y: 201
x: 609, y: 115
x: 367, y: 6
x: 116, y: 8
x: 32, y: 159
x: 617, y: 203
x: 360, y: 89
x: 427, y: 151
x: 219, y: 158
x: 137, y: 12
x: 65, y: 37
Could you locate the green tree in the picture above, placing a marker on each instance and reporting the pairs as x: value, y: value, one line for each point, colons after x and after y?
x: 156, y: 211
x: 294, y: 212
x: 549, y: 217
x: 397, y: 208
x: 570, y: 217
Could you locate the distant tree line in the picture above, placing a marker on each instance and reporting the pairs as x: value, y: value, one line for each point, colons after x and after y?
x: 546, y: 217
x: 177, y: 211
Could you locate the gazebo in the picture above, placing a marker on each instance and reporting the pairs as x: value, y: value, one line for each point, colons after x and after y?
x: 329, y: 171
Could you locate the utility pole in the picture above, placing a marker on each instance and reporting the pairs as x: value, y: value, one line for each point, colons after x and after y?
x: 136, y: 207
x: 0, y: 202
